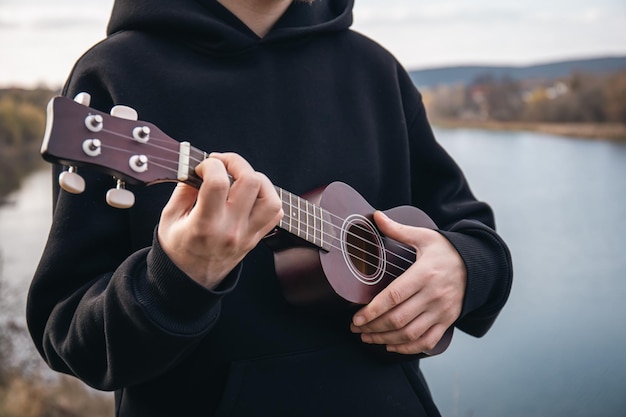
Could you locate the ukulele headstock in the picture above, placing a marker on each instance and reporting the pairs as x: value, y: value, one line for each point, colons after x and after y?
x: 117, y: 144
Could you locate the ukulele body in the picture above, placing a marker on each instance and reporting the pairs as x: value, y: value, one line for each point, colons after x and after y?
x: 360, y: 262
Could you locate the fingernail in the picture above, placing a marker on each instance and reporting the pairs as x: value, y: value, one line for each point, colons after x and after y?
x: 391, y: 348
x: 359, y: 321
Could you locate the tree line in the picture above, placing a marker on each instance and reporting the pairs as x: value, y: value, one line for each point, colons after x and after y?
x: 22, y: 124
x: 578, y: 98
x: 27, y: 388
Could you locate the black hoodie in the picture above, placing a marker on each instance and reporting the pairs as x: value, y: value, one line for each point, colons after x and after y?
x: 310, y: 103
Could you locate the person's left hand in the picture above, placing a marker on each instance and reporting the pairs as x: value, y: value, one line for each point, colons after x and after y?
x: 411, y: 315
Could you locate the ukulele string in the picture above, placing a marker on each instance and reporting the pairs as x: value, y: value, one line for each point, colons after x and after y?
x: 410, y: 251
x: 152, y: 158
x: 330, y: 238
x: 292, y: 215
x: 201, y: 155
x: 204, y: 155
x: 197, y: 156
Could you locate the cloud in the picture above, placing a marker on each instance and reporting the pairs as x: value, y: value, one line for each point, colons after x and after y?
x: 454, y: 32
x: 50, y: 16
x: 486, y: 13
x: 442, y: 13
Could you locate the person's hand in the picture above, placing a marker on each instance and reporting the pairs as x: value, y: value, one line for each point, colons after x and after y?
x: 207, y: 232
x: 413, y: 312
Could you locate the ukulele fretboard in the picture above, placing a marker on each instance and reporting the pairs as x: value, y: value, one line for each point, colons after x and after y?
x: 306, y: 220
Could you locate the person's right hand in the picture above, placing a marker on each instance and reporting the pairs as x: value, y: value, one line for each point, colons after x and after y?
x: 207, y: 232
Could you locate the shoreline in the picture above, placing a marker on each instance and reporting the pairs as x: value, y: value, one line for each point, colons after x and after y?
x: 595, y: 131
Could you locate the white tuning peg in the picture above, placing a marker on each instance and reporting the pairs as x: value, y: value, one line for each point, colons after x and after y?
x: 120, y: 197
x: 124, y: 112
x: 141, y: 134
x: 71, y: 182
x: 83, y: 98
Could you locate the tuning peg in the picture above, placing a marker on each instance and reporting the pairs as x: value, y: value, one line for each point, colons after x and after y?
x: 94, y: 122
x: 83, y: 98
x: 120, y: 197
x: 71, y: 182
x: 141, y: 134
x: 124, y: 112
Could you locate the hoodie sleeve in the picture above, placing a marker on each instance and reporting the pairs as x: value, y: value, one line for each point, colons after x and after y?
x: 102, y: 311
x: 441, y: 190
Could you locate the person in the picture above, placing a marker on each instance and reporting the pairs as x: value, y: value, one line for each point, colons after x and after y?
x: 174, y: 303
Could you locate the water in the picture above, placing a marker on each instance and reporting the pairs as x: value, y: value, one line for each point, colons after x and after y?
x: 556, y: 349
x: 24, y: 225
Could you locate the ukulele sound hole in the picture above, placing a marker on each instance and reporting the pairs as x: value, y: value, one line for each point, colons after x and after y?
x: 362, y: 245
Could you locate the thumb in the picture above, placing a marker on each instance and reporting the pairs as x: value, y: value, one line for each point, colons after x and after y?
x: 387, y: 226
x: 402, y: 233
x: 181, y: 201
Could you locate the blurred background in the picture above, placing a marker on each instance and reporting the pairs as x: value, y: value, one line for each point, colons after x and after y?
x: 530, y: 99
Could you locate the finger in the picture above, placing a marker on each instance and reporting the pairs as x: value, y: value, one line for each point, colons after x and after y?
x: 235, y: 164
x: 181, y: 201
x: 244, y: 194
x: 425, y: 344
x: 252, y: 194
x: 214, y: 189
x: 396, y: 318
x: 246, y: 186
x: 395, y: 230
x: 411, y: 332
x: 397, y: 292
x: 268, y: 208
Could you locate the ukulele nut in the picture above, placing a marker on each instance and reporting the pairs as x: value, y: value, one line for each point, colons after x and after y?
x: 94, y: 122
x: 92, y: 147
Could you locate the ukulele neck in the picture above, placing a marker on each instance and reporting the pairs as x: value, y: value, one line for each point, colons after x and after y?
x: 306, y: 220
x: 301, y: 217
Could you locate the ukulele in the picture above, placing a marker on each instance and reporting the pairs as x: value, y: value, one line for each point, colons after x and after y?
x: 327, y: 250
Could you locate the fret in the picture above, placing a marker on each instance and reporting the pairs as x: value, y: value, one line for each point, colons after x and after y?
x: 280, y: 195
x: 314, y: 225
x: 322, y: 231
x: 286, y: 211
x: 311, y: 217
x: 290, y: 212
x: 304, y: 219
x: 306, y: 205
x: 299, y: 232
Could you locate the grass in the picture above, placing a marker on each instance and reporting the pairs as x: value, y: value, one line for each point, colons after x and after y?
x: 64, y: 397
x: 605, y: 131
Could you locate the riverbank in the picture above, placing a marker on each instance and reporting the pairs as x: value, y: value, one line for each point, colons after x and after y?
x: 605, y: 131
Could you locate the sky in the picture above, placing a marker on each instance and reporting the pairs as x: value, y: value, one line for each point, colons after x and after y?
x: 41, y: 39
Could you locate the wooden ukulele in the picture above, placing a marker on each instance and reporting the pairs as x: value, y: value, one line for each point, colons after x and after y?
x: 327, y: 249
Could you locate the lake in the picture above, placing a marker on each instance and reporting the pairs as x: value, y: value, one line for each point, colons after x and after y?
x: 556, y: 349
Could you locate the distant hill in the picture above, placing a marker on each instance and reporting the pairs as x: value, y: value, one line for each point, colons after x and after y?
x: 466, y: 74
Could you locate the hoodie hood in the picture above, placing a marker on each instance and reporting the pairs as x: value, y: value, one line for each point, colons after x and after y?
x: 210, y: 25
